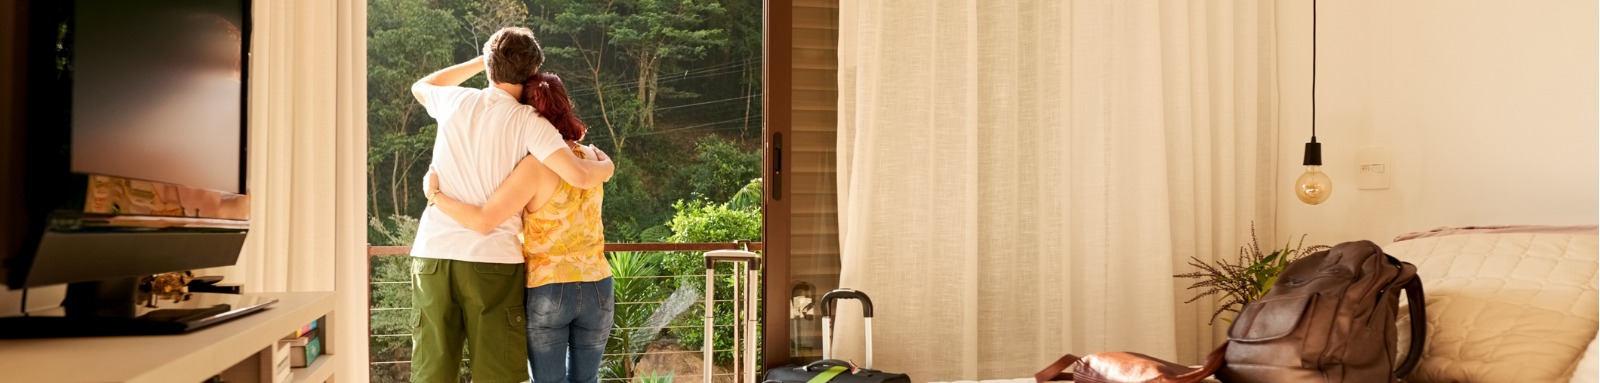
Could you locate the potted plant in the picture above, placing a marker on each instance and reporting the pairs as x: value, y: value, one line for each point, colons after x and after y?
x: 1246, y: 279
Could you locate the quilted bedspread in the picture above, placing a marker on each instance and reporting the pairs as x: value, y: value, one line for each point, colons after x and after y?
x: 1504, y: 304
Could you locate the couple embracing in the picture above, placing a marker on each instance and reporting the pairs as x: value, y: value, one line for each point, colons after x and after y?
x: 506, y: 164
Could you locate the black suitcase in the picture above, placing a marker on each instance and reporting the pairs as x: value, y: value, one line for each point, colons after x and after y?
x: 834, y: 370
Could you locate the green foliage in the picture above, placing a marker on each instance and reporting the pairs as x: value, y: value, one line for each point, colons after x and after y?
x: 398, y: 231
x: 699, y: 221
x: 632, y: 279
x: 406, y: 39
x: 720, y: 169
x: 712, y: 172
x: 641, y: 38
x: 1247, y: 279
x: 655, y: 378
x: 390, y: 321
x: 748, y: 197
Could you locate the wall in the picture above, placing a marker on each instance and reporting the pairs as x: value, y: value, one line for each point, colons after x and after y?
x: 1488, y: 108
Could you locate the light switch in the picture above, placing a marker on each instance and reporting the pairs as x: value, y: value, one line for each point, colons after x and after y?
x: 1373, y: 168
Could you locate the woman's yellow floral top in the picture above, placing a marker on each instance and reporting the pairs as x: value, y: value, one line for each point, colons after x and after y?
x: 563, y: 241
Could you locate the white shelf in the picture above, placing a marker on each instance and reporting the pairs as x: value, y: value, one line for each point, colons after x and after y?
x: 317, y: 372
x: 192, y: 357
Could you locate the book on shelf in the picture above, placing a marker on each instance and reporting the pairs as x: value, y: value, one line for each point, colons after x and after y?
x: 308, y: 328
x: 305, y: 344
x: 304, y: 350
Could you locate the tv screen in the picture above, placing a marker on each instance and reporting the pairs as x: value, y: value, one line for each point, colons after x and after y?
x: 132, y: 152
x: 157, y: 89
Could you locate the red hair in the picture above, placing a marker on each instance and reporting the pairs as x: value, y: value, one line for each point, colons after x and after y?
x: 545, y: 92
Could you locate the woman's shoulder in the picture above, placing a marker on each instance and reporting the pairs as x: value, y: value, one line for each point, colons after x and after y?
x: 583, y: 151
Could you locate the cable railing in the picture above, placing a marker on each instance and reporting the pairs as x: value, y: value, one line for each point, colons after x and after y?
x: 670, y: 332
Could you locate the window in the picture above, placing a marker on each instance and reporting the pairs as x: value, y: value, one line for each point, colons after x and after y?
x: 671, y: 90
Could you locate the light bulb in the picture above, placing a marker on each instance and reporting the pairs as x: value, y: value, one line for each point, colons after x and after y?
x: 1313, y: 186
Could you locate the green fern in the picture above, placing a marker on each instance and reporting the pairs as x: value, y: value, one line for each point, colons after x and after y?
x: 1247, y: 279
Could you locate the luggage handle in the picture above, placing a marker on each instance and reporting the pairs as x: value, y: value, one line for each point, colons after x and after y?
x: 827, y: 320
x: 825, y: 364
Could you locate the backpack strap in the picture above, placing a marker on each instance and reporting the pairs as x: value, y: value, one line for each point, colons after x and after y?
x: 1419, y: 327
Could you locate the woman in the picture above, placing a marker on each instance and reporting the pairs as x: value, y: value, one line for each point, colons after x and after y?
x: 569, y: 300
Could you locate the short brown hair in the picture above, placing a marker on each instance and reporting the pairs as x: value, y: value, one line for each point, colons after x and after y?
x: 512, y: 55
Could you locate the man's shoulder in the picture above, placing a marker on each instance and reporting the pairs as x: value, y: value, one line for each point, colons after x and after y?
x: 518, y: 118
x: 467, y: 93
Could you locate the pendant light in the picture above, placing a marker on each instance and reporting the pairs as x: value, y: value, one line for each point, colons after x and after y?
x: 1313, y: 187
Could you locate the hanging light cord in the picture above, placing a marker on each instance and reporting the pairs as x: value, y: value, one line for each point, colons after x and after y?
x: 1313, y: 70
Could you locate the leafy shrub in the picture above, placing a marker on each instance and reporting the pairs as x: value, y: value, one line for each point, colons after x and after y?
x: 699, y: 221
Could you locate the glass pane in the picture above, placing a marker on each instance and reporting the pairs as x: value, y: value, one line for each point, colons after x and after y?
x: 670, y: 90
x: 814, y: 220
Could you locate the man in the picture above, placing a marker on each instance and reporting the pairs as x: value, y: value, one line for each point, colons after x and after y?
x: 468, y: 286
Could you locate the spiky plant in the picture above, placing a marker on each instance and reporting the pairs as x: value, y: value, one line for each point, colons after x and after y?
x: 1248, y: 278
x: 655, y: 378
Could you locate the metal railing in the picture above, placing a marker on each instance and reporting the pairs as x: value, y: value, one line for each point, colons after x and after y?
x: 390, y: 345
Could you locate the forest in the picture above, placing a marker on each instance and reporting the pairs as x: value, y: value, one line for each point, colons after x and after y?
x: 670, y: 89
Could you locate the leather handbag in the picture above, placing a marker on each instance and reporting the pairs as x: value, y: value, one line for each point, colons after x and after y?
x: 1128, y: 367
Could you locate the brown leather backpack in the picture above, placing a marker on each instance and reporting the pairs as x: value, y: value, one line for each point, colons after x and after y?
x: 1329, y: 318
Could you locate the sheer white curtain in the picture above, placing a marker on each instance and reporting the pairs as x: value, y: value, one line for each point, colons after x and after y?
x: 308, y: 143
x: 1021, y: 179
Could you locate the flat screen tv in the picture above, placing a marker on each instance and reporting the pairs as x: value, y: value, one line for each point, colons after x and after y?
x: 127, y: 142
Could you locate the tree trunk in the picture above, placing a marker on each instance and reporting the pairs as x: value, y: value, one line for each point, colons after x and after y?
x: 394, y: 197
x: 642, y: 96
x: 650, y: 104
x: 747, y: 98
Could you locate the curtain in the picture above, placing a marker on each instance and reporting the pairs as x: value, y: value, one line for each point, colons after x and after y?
x: 307, y: 162
x: 1021, y: 179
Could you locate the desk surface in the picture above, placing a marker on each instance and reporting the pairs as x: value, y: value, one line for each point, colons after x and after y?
x: 192, y: 357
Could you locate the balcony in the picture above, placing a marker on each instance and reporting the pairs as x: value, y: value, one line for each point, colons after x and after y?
x: 659, y: 313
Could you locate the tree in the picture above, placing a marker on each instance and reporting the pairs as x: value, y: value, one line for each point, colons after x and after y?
x: 720, y: 169
x: 406, y: 39
x: 482, y: 18
x: 645, y: 35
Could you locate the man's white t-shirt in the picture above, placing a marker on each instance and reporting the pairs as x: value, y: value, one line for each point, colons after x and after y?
x: 483, y: 133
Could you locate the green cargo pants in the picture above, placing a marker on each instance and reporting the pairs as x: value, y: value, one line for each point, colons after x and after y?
x: 479, y: 303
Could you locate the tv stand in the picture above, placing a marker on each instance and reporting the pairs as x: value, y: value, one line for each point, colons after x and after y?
x: 113, y: 307
x: 240, y: 350
x: 112, y: 297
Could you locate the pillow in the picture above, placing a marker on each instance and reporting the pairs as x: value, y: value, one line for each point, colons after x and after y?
x: 1515, y: 304
x: 1588, y: 370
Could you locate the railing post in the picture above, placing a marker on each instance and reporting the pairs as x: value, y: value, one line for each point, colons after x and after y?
x: 744, y: 357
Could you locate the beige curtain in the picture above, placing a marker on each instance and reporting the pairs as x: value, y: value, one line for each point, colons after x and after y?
x: 1021, y: 179
x: 308, y: 143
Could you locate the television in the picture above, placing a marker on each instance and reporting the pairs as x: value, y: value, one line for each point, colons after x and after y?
x: 126, y: 155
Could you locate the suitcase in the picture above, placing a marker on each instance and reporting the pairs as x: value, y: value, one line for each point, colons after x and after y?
x: 834, y: 370
x: 747, y: 268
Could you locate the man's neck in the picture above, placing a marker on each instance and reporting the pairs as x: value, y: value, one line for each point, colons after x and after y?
x: 514, y: 89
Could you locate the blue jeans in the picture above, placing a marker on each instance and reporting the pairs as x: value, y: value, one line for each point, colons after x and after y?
x: 568, y: 326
